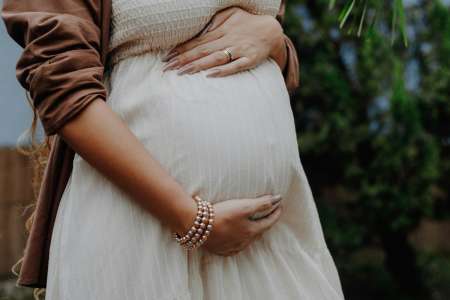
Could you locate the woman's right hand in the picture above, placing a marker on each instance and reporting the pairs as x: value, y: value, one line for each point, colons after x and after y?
x: 233, y: 228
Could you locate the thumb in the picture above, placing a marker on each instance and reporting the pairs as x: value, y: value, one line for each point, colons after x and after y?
x: 220, y: 17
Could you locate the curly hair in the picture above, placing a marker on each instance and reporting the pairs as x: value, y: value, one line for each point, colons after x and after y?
x: 38, y: 152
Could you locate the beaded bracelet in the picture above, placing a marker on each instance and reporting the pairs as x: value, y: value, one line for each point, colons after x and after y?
x: 202, y: 227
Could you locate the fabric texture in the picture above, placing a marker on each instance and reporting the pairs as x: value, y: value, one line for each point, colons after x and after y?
x: 60, y: 64
x: 51, y: 42
x: 222, y: 138
x: 147, y: 28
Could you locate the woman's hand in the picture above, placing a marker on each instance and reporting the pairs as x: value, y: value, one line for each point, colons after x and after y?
x: 233, y: 229
x: 250, y: 39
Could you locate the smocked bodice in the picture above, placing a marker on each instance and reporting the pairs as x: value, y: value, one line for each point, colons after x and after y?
x: 138, y: 26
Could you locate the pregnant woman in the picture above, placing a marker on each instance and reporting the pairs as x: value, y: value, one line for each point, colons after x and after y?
x: 187, y: 181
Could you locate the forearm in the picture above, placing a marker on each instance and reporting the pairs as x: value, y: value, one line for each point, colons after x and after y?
x: 100, y: 137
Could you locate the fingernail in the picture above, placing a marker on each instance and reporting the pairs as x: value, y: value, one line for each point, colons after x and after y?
x: 276, y: 204
x: 170, y: 65
x: 169, y: 56
x: 276, y: 199
x: 185, y: 69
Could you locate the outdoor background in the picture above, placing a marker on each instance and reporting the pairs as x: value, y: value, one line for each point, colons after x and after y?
x: 372, y: 115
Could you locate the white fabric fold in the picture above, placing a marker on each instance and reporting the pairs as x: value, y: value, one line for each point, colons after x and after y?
x: 224, y: 138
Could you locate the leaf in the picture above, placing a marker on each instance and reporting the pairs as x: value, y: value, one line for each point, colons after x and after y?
x: 346, y: 13
x: 398, y: 20
x: 361, y: 23
x: 376, y: 7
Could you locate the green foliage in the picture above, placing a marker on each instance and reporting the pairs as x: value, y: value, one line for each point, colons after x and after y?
x: 437, y: 274
x: 372, y: 120
x: 361, y: 10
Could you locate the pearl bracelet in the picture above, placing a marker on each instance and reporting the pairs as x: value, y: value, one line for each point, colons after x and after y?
x: 202, y: 227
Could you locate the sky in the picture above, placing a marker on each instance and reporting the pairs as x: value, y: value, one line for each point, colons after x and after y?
x: 15, y: 113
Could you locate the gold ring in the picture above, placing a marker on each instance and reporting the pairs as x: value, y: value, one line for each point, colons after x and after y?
x: 229, y: 55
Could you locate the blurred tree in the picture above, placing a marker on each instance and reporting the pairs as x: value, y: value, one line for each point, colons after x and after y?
x: 372, y: 119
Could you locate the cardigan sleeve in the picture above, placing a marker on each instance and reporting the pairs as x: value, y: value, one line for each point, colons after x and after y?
x: 60, y: 65
x: 291, y: 72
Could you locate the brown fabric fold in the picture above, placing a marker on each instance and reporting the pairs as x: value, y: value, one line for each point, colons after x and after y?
x: 63, y: 86
x: 62, y: 67
x: 65, y: 50
x: 34, y: 267
x: 60, y: 64
x: 291, y: 72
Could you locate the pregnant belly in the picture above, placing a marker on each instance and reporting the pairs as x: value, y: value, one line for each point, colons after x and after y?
x: 228, y: 137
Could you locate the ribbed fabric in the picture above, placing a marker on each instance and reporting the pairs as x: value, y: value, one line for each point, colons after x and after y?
x: 223, y: 138
x: 142, y: 25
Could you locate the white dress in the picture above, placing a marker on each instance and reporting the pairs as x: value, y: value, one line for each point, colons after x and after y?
x: 224, y: 138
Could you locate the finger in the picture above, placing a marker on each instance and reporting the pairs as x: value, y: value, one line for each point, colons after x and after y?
x: 194, y: 54
x: 274, y: 201
x: 264, y: 224
x: 236, y: 250
x: 178, y: 49
x: 197, y: 41
x: 261, y: 204
x: 227, y: 252
x: 236, y: 66
x: 263, y: 214
x: 221, y: 16
x: 257, y: 236
x: 213, y: 60
x: 233, y: 253
x: 210, y: 32
x: 215, y: 29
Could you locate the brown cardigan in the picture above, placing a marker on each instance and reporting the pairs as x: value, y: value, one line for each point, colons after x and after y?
x: 65, y: 52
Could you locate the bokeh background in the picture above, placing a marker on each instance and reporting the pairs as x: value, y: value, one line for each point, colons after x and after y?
x: 372, y: 116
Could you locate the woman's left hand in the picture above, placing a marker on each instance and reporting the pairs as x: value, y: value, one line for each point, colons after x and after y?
x: 249, y: 38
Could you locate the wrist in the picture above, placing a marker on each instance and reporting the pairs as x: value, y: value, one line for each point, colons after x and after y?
x: 278, y: 50
x: 279, y: 54
x: 201, y: 229
x: 185, y: 215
